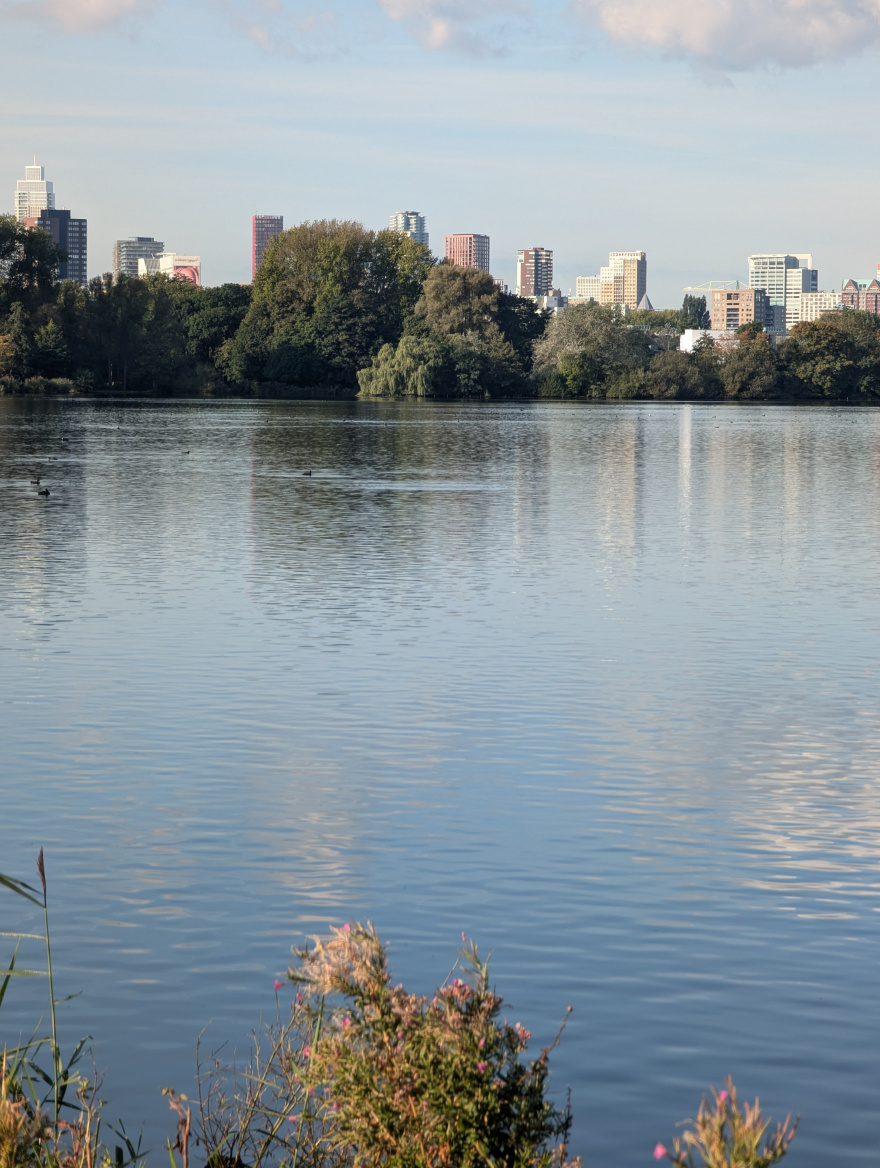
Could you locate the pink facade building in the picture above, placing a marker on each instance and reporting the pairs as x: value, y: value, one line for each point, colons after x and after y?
x: 263, y: 230
x: 468, y: 251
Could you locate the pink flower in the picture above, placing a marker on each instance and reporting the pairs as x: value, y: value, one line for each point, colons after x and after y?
x: 346, y: 927
x: 291, y: 1119
x: 278, y: 984
x: 456, y: 981
x: 482, y: 1066
x: 660, y: 1152
x: 722, y: 1096
x: 307, y: 1051
x: 299, y: 997
x: 482, y: 1043
x: 346, y: 1021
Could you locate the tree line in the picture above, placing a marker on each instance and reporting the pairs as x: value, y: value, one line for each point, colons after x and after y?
x: 337, y: 310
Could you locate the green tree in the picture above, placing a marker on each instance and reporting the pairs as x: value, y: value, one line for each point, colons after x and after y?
x: 680, y: 376
x: 19, y: 343
x: 836, y: 356
x: 694, y: 313
x: 28, y: 265
x: 585, y: 349
x: 327, y: 296
x: 750, y: 370
x: 51, y: 354
x: 458, y: 300
x: 748, y: 332
x: 522, y: 325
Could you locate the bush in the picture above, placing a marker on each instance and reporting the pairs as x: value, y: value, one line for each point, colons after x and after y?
x: 405, y: 1081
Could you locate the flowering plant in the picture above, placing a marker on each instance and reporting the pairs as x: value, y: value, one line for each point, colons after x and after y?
x: 405, y: 1081
x: 725, y: 1136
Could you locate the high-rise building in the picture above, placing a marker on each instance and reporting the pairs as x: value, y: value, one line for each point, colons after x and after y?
x: 410, y: 223
x: 127, y: 252
x: 816, y: 304
x: 33, y: 194
x: 263, y: 230
x: 467, y: 251
x: 625, y: 279
x: 176, y: 267
x: 732, y: 308
x: 534, y: 271
x: 69, y: 234
x: 784, y: 277
x: 587, y: 288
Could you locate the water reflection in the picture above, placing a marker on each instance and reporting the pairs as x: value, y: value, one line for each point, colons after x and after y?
x: 598, y: 686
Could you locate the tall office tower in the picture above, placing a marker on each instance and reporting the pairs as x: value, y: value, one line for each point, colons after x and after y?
x: 71, y: 235
x: 625, y: 279
x: 467, y: 251
x: 263, y: 230
x: 410, y: 223
x: 784, y: 277
x: 534, y: 271
x: 33, y: 194
x: 127, y: 252
x: 587, y: 288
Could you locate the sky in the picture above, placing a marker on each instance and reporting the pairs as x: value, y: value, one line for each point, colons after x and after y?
x: 699, y: 131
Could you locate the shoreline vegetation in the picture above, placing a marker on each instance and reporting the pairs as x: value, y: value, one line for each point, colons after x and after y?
x: 355, y: 1073
x: 339, y: 312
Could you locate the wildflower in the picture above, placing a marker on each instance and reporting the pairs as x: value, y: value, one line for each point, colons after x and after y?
x: 482, y: 1043
x: 278, y: 984
x: 482, y: 1066
x: 660, y: 1152
x: 346, y: 1021
x: 346, y: 927
x: 307, y: 1051
x: 722, y: 1096
x: 291, y: 1119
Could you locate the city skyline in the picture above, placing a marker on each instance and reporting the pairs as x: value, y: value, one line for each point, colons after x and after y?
x: 175, y: 153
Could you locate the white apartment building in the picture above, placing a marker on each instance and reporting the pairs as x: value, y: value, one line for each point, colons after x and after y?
x: 784, y: 277
x: 813, y: 304
x: 410, y: 223
x: 33, y: 194
x: 587, y: 287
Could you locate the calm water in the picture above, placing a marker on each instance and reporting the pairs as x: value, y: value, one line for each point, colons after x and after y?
x: 598, y: 686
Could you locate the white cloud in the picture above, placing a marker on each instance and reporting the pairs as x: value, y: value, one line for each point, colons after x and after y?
x: 718, y: 34
x: 77, y: 15
x: 472, y: 25
x: 740, y: 34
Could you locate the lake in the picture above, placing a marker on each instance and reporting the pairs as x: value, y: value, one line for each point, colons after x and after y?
x: 596, y: 685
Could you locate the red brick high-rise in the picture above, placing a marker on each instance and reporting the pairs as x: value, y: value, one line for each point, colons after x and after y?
x: 468, y: 251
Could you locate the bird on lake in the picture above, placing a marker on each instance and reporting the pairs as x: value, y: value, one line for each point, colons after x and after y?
x: 35, y: 482
x: 307, y: 474
x: 184, y: 452
x: 45, y: 491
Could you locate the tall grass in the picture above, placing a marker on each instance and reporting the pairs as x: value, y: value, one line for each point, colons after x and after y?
x: 50, y: 1117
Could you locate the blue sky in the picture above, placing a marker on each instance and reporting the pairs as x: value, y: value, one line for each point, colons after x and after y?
x: 698, y: 131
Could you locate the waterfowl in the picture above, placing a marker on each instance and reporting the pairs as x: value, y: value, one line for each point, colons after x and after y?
x: 307, y: 474
x: 35, y: 481
x: 45, y: 491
